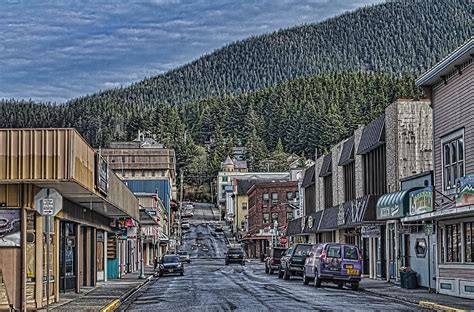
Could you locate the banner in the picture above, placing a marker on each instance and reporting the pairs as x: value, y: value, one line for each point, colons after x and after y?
x: 10, y: 228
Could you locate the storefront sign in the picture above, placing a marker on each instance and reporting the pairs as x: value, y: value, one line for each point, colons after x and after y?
x: 102, y: 175
x: 421, y: 201
x: 303, y: 223
x: 370, y: 231
x: 151, y: 212
x: 356, y: 210
x: 310, y: 222
x: 122, y: 234
x: 465, y: 191
x: 10, y: 222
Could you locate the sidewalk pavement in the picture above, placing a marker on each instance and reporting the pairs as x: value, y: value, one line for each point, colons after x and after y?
x: 105, y: 296
x: 419, y: 296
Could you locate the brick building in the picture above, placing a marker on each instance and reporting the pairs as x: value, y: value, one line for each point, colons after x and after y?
x: 268, y: 203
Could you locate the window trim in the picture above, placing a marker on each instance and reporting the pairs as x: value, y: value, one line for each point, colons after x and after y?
x: 454, y: 135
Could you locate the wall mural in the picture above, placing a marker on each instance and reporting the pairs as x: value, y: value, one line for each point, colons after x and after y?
x: 10, y: 228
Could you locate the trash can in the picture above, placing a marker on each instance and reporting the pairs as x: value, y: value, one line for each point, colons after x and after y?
x: 408, y: 280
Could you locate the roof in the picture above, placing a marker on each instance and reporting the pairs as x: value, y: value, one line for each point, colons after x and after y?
x: 326, y: 168
x: 373, y: 135
x: 243, y: 185
x: 308, y: 178
x: 228, y: 161
x: 347, y: 154
x: 294, y: 227
x: 460, y: 55
x: 240, y: 164
x: 272, y: 183
x: 329, y: 218
x: 316, y: 216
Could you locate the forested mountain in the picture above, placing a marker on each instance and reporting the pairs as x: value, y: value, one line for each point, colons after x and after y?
x: 396, y: 37
x: 306, y: 87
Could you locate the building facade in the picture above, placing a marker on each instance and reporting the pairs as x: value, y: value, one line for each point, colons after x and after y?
x: 57, y: 168
x: 268, y: 206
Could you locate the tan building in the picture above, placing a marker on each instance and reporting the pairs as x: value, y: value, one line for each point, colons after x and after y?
x: 83, y: 243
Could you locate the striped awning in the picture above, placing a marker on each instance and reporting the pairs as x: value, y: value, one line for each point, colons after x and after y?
x: 393, y: 205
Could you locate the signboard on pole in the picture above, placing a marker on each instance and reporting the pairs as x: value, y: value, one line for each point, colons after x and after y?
x: 48, y: 202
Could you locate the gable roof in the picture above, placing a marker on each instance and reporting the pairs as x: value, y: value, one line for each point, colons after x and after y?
x: 308, y: 178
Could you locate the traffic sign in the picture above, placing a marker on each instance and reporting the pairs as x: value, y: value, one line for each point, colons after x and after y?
x: 283, y: 240
x: 48, y: 202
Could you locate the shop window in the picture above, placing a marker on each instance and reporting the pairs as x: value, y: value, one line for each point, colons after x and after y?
x: 420, y: 248
x: 289, y: 216
x: 274, y: 217
x: 443, y: 242
x: 453, y: 159
x: 453, y: 243
x: 274, y: 197
x: 445, y: 286
x: 289, y: 195
x: 469, y: 241
x: 469, y: 289
x: 266, y: 218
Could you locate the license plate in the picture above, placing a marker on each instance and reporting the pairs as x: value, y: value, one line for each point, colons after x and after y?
x: 352, y: 272
x: 349, y: 266
x: 170, y: 270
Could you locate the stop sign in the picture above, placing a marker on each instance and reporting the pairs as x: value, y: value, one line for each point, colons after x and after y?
x: 283, y: 240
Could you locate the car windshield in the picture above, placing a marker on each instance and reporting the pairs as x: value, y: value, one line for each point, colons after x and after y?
x: 170, y: 259
x: 302, y: 250
x: 351, y: 253
x: 334, y: 251
x: 183, y: 253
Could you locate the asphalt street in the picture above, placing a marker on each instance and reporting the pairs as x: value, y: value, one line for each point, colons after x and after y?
x: 209, y: 285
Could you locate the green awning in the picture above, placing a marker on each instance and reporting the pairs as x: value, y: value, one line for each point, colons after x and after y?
x: 393, y: 205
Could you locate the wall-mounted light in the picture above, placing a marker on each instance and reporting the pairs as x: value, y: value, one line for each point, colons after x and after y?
x: 3, y: 204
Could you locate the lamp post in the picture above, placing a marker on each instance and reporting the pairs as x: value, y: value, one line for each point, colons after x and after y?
x: 274, y: 233
x: 142, y: 268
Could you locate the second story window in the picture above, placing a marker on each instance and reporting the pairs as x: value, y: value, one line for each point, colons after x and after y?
x: 274, y: 217
x: 289, y: 216
x: 265, y: 198
x: 453, y: 159
x: 274, y: 197
x: 289, y: 196
x: 266, y: 218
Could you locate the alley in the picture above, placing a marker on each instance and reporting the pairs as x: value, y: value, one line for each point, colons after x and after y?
x: 209, y: 285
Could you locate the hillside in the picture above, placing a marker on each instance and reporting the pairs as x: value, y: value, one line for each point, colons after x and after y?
x: 396, y: 37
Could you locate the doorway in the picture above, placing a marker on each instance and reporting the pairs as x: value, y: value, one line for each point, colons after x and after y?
x: 67, y: 256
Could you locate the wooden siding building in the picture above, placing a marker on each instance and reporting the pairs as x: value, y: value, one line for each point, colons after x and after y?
x: 83, y: 243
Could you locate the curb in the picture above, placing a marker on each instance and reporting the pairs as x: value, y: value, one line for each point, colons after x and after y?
x: 423, y: 304
x: 438, y: 307
x: 117, y: 302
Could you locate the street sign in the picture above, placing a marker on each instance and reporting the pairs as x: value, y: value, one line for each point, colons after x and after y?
x: 48, y: 202
x: 283, y: 240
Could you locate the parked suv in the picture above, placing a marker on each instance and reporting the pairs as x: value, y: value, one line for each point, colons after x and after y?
x: 273, y: 259
x: 292, y: 262
x: 333, y: 262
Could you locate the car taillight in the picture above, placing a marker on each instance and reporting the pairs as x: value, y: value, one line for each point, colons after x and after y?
x: 273, y: 261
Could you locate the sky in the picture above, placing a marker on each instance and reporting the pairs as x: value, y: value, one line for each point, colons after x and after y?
x: 55, y: 50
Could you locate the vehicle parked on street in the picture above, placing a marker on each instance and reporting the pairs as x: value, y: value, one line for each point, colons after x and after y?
x: 184, y: 256
x: 333, y: 262
x: 218, y: 227
x: 185, y: 224
x: 235, y: 254
x: 273, y: 259
x: 292, y: 262
x: 171, y: 264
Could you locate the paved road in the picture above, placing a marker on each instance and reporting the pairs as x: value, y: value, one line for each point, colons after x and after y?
x: 209, y: 285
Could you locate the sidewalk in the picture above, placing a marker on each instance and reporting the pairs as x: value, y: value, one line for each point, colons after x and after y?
x: 419, y: 296
x: 103, y: 295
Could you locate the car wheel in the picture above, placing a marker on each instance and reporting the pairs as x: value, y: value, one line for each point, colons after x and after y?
x: 340, y: 285
x: 182, y: 273
x: 286, y: 274
x: 305, y: 278
x: 317, y: 280
x: 280, y: 273
x: 355, y: 286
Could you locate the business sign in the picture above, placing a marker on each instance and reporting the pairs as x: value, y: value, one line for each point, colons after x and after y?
x: 151, y: 212
x: 341, y: 215
x: 121, y: 234
x: 465, y: 191
x: 367, y: 231
x: 132, y: 232
x: 421, y: 201
x: 310, y: 222
x: 10, y: 229
x: 229, y: 188
x: 101, y: 175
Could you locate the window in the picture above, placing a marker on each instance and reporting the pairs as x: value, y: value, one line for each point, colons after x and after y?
x: 265, y: 198
x: 374, y: 171
x: 274, y: 217
x: 289, y: 195
x: 266, y: 217
x: 274, y: 197
x: 469, y: 241
x: 351, y: 253
x: 297, y: 195
x: 334, y: 251
x: 224, y: 179
x: 349, y: 181
x: 453, y: 159
x: 328, y: 191
x: 289, y: 216
x: 453, y: 243
x: 244, y: 206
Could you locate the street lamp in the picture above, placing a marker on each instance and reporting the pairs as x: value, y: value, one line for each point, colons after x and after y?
x: 274, y: 233
x: 142, y: 268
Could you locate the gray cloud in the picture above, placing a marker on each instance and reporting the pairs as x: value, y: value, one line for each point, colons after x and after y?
x: 59, y: 49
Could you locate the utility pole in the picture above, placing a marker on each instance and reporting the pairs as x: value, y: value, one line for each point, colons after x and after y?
x: 180, y: 205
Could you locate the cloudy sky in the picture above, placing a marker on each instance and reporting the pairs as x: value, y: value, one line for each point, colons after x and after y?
x: 55, y: 50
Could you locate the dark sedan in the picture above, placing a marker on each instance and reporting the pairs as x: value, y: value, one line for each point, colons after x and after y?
x: 171, y: 264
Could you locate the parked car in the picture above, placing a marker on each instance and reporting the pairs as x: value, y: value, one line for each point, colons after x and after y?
x: 184, y: 256
x: 292, y: 262
x: 185, y: 224
x: 334, y: 262
x: 273, y: 259
x: 235, y: 254
x: 218, y: 227
x: 171, y: 264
